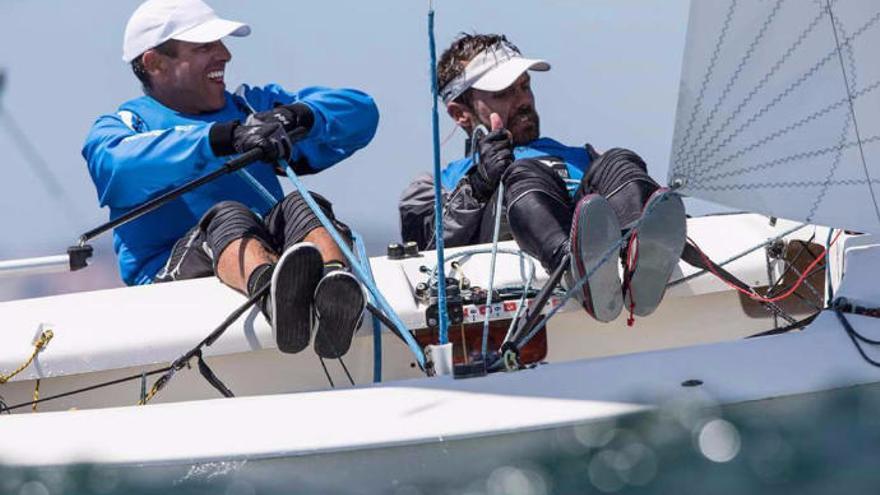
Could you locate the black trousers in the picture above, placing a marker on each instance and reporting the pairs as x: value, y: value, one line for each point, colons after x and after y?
x: 195, y: 254
x: 540, y: 209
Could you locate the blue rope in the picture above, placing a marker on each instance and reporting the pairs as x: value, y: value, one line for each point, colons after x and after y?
x: 377, y: 327
x: 364, y: 263
x: 264, y: 193
x: 355, y: 266
x: 438, y: 207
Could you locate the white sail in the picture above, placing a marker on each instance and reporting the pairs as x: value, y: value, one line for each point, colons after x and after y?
x: 779, y: 109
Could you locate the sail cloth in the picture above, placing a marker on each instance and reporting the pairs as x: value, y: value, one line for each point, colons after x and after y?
x: 779, y: 109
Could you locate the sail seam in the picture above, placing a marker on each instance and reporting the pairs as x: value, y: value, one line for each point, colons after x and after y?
x: 728, y: 87
x: 853, y: 111
x: 788, y: 184
x: 697, y: 154
x: 709, y: 71
x: 849, y: 121
x: 788, y: 91
x: 781, y: 161
x: 786, y: 130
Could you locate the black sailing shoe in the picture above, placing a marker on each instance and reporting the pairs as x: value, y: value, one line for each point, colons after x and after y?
x: 594, y: 231
x: 296, y: 275
x: 339, y: 306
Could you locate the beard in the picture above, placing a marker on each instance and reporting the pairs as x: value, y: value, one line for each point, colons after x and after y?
x: 524, y: 126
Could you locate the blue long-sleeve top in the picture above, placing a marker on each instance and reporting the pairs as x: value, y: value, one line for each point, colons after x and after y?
x: 146, y: 149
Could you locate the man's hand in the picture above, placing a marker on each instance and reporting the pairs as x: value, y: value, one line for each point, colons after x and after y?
x: 271, y: 138
x: 296, y: 118
x: 496, y: 154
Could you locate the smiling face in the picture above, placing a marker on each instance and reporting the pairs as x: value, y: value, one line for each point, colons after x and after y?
x: 191, y: 81
x: 514, y: 104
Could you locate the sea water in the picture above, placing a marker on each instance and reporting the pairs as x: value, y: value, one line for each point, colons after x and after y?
x: 817, y: 443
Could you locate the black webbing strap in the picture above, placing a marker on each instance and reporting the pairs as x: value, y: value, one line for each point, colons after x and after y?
x: 691, y: 256
x: 211, y: 377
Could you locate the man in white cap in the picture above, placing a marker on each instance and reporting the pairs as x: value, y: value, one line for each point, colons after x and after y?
x: 564, y: 205
x: 186, y: 125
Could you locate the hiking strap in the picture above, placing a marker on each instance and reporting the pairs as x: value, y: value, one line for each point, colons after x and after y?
x: 692, y: 256
x: 211, y: 377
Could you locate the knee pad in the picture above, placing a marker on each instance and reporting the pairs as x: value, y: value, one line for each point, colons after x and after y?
x: 228, y: 221
x: 530, y: 174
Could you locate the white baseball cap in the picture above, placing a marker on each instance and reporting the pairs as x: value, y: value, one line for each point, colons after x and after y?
x: 493, y: 69
x: 157, y: 21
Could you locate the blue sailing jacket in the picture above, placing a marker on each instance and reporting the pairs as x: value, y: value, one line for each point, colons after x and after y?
x: 576, y: 159
x: 146, y: 149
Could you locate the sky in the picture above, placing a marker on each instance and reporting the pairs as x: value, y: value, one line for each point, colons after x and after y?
x: 614, y: 83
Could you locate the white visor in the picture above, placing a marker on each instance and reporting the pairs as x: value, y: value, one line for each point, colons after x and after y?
x: 493, y: 69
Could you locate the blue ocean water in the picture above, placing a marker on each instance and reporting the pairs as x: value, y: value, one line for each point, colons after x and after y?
x: 812, y: 444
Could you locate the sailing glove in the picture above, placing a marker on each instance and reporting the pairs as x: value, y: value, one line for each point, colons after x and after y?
x: 496, y: 154
x: 297, y: 118
x: 270, y: 138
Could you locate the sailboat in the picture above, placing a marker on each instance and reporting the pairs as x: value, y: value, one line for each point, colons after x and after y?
x: 773, y: 118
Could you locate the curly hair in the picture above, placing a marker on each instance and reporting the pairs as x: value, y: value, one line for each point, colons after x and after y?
x: 455, y: 58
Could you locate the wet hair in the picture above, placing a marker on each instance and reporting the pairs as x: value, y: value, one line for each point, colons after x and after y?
x: 462, y: 50
x: 168, y: 48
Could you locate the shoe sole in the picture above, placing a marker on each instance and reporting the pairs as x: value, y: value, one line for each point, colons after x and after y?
x: 660, y: 241
x: 296, y: 275
x: 339, y: 305
x: 594, y: 231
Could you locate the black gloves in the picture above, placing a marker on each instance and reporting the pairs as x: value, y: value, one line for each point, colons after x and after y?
x: 270, y: 138
x: 297, y: 118
x: 265, y: 130
x: 496, y: 154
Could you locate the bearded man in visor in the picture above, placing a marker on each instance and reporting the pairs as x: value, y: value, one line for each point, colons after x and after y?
x: 562, y: 204
x: 187, y: 125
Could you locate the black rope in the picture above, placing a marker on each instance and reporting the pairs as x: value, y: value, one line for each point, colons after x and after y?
x: 326, y: 373
x: 385, y: 320
x: 856, y: 337
x: 4, y: 408
x: 788, y: 328
x: 345, y: 368
x: 168, y: 371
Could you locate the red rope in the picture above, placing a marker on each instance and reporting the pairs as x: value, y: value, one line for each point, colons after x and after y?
x: 711, y: 267
x: 632, y: 256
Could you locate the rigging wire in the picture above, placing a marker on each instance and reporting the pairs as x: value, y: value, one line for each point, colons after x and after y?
x: 852, y: 108
x: 739, y: 255
x: 800, y: 280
